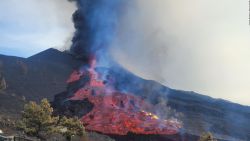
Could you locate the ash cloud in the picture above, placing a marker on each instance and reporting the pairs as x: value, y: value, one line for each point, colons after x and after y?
x: 200, y: 46
x: 194, y: 45
x: 95, y: 22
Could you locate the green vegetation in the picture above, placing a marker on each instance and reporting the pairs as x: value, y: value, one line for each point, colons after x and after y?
x: 207, y: 137
x: 38, y: 120
x: 71, y: 127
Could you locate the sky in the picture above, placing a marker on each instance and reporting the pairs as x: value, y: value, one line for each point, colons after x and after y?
x: 194, y: 45
x: 31, y: 26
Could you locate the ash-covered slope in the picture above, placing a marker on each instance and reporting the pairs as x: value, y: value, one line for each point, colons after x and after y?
x: 44, y: 75
x: 39, y: 76
x: 227, y: 120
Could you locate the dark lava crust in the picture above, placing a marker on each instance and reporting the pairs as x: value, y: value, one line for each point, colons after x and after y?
x: 139, y: 137
x: 71, y: 108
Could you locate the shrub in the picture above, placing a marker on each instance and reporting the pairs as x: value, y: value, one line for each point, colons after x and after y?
x: 207, y: 137
x: 71, y: 127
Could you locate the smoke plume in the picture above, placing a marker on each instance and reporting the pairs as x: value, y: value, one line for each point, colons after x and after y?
x: 95, y: 23
x: 195, y: 45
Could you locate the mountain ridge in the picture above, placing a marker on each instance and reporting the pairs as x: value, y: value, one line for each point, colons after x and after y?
x: 44, y: 75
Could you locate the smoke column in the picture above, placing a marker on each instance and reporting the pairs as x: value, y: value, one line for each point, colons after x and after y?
x: 194, y: 45
x: 95, y: 22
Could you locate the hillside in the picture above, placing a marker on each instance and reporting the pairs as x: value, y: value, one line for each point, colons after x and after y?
x: 45, y: 75
x: 38, y: 76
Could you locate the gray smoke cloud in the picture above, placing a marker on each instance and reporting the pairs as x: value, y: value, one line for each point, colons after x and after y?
x: 95, y: 22
x: 195, y: 45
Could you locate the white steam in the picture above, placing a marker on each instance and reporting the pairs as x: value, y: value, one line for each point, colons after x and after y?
x: 196, y: 45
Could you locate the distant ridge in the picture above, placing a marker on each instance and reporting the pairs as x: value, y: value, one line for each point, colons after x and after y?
x: 45, y: 73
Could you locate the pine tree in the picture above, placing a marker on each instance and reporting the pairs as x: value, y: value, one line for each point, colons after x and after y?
x: 37, y: 120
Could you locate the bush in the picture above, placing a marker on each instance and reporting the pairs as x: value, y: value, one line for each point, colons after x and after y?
x: 207, y: 137
x: 71, y: 127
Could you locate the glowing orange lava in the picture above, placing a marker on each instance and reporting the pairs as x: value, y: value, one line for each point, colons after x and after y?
x: 118, y: 113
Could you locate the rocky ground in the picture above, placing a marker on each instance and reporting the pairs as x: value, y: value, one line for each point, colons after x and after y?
x: 44, y: 75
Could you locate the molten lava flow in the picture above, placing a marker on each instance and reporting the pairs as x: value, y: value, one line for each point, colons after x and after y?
x: 75, y: 76
x: 118, y: 113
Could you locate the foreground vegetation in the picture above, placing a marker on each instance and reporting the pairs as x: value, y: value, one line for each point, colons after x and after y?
x: 38, y: 120
x: 207, y: 137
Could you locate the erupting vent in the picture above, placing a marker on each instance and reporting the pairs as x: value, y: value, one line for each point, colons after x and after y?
x: 116, y: 112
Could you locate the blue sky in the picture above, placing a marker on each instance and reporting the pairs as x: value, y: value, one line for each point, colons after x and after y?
x: 30, y: 26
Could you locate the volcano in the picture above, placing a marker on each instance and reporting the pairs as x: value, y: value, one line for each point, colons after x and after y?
x: 226, y: 120
x: 115, y: 112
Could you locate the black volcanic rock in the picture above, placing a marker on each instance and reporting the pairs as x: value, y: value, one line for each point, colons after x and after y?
x: 44, y: 75
x: 69, y: 108
x: 227, y: 120
x: 135, y: 137
x: 40, y: 76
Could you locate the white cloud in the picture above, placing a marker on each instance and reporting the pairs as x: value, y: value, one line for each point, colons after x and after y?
x: 35, y: 25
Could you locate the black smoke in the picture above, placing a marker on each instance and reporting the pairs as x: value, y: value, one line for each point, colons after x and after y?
x: 95, y: 22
